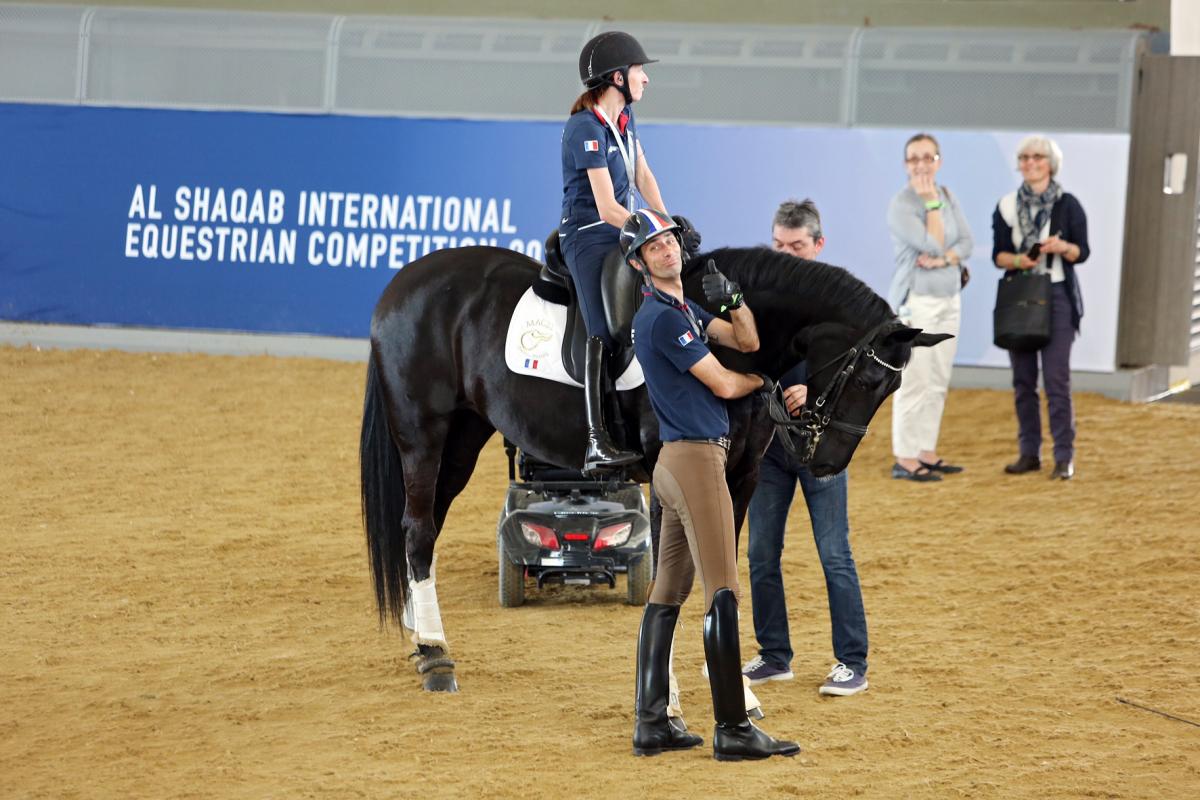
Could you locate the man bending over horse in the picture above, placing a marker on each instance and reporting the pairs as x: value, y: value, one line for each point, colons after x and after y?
x: 797, y: 230
x: 688, y: 388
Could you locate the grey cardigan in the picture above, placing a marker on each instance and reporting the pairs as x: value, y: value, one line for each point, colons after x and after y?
x: 906, y: 222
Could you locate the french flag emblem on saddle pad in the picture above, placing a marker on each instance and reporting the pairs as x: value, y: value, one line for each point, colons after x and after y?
x: 591, y: 146
x: 687, y: 338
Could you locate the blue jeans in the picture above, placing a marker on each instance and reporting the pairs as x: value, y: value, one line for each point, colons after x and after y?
x: 826, y: 500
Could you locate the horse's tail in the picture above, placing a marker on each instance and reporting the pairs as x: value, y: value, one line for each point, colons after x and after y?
x: 382, y: 500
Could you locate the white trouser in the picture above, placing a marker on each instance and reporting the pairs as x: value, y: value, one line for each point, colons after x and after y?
x: 918, y: 403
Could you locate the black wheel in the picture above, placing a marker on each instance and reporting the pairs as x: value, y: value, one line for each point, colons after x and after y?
x: 512, y: 578
x: 638, y: 581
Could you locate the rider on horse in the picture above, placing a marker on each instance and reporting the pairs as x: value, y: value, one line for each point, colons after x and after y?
x: 688, y: 388
x: 603, y: 165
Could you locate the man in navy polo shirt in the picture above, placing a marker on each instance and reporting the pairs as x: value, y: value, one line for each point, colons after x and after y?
x: 688, y: 388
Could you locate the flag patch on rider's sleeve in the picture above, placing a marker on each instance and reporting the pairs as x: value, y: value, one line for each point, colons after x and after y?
x: 531, y: 363
x: 591, y: 146
x: 687, y: 338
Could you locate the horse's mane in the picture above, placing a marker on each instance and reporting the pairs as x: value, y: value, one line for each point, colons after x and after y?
x: 767, y: 273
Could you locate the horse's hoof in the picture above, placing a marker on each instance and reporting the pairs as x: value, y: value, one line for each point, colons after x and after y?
x: 440, y: 682
x: 436, y: 669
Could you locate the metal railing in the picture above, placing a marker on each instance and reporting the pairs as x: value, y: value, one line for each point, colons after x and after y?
x: 492, y: 68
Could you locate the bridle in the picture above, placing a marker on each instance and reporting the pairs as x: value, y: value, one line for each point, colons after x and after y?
x: 800, y: 435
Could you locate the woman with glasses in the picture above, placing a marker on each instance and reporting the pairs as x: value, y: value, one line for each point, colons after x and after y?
x: 1041, y: 213
x: 931, y: 241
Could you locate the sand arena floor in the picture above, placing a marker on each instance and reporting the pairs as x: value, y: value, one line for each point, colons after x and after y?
x: 187, y: 613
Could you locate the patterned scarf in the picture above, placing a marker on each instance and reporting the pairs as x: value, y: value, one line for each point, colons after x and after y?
x: 1034, y: 209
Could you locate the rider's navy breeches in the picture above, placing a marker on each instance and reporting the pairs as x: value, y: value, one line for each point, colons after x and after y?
x: 584, y: 252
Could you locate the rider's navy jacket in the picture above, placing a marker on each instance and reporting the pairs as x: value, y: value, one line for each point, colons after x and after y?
x: 587, y: 143
x: 667, y: 347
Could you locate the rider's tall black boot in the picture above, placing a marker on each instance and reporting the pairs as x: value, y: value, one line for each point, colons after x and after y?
x: 602, y: 452
x: 652, y: 731
x: 736, y: 738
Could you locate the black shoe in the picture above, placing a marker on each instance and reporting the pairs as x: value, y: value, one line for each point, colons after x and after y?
x: 1063, y: 471
x: 602, y: 452
x: 922, y: 474
x: 735, y: 738
x: 1024, y: 464
x: 746, y: 742
x: 653, y: 731
x: 942, y: 467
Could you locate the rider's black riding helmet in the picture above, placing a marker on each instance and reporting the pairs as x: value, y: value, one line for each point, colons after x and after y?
x: 608, y: 53
x: 642, y: 226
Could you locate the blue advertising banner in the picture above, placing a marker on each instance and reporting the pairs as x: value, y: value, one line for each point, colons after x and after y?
x: 281, y: 223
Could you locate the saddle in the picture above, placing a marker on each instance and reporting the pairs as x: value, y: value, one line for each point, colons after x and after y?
x: 621, y: 292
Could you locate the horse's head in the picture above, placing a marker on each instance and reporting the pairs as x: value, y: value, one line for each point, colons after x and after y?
x: 848, y: 335
x: 850, y: 373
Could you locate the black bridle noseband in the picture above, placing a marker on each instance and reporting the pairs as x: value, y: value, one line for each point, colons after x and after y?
x: 800, y: 435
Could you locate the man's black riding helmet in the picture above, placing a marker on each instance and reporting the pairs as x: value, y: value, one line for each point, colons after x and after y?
x: 607, y: 53
x: 642, y: 226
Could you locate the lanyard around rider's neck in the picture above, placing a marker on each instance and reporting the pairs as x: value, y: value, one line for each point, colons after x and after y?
x: 650, y: 290
x: 628, y: 155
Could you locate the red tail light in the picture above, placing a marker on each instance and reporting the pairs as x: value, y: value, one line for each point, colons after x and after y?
x: 539, y: 535
x: 613, y: 535
x: 576, y: 537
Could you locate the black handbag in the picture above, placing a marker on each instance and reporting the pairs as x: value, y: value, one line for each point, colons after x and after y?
x: 1021, y: 319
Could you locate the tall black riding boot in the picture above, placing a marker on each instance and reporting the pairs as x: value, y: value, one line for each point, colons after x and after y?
x: 736, y: 738
x: 652, y: 731
x: 602, y: 452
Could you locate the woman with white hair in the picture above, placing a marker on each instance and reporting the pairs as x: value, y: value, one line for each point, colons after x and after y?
x: 1041, y: 214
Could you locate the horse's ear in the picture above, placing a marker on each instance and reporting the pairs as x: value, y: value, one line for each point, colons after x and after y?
x: 916, y: 336
x: 902, y: 335
x: 930, y: 339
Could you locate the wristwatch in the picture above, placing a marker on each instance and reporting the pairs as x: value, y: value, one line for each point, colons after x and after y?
x: 933, y: 205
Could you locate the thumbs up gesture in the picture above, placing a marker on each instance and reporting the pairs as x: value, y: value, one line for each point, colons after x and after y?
x: 719, y: 289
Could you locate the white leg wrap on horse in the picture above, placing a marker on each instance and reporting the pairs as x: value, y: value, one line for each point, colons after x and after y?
x: 408, y: 619
x: 427, y: 617
x: 752, y: 702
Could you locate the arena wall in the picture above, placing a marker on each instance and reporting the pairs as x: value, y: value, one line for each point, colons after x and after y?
x: 104, y: 86
x: 1142, y: 14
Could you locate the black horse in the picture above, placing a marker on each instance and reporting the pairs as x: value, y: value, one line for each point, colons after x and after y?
x: 438, y: 388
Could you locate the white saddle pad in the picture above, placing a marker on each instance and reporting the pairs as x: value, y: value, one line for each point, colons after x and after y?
x: 534, y: 344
